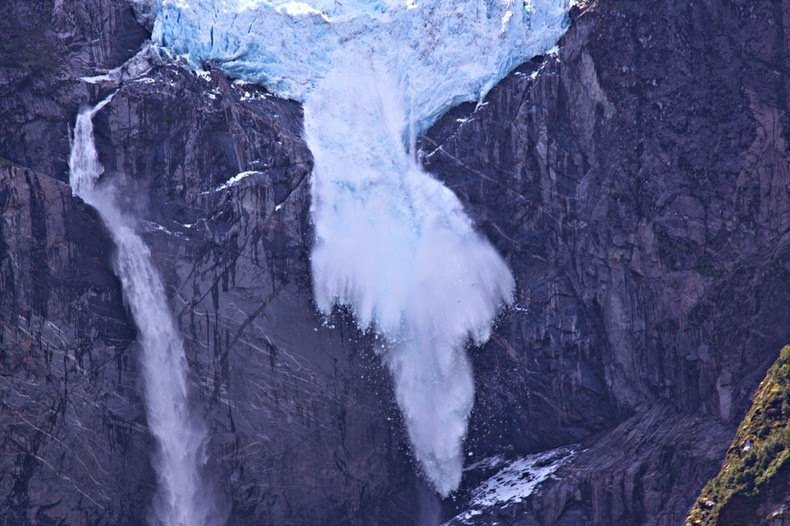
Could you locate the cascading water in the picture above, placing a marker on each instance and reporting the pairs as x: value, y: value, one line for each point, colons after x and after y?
x: 182, y: 498
x: 395, y: 245
x: 392, y: 243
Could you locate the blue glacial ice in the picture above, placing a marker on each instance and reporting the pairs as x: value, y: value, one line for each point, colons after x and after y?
x: 443, y: 52
x: 392, y: 243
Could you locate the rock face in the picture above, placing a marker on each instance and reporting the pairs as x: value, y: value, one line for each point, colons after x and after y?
x: 47, y: 47
x: 302, y: 421
x: 73, y: 427
x: 638, y: 188
x: 636, y: 182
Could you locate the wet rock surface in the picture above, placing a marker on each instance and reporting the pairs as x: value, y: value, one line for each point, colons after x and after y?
x: 636, y: 183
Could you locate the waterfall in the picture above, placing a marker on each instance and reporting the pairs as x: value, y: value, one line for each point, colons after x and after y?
x: 392, y: 243
x: 395, y: 245
x: 181, y: 498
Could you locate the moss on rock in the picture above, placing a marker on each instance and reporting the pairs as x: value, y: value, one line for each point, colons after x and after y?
x: 758, y: 452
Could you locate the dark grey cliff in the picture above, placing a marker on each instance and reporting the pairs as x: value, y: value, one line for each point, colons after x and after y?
x: 74, y: 437
x: 73, y: 434
x: 303, y: 425
x: 637, y: 186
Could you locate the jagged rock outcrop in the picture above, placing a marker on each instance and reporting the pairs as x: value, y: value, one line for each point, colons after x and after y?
x: 636, y: 184
x: 47, y: 47
x: 73, y: 425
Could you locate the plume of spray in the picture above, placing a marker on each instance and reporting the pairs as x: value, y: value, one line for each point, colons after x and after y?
x: 395, y: 246
x: 392, y: 243
x: 182, y: 497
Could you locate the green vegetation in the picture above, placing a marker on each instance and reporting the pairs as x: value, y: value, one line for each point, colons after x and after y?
x: 760, y: 447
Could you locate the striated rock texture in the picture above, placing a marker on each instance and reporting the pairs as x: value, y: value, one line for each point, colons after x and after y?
x: 73, y: 427
x: 47, y: 46
x: 638, y: 187
x: 71, y: 415
x: 636, y: 183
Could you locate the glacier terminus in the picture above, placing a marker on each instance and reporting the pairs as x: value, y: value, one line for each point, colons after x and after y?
x: 392, y: 243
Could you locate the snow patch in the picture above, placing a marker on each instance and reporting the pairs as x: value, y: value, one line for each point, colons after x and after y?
x: 236, y: 179
x: 203, y: 74
x: 134, y: 68
x: 513, y: 483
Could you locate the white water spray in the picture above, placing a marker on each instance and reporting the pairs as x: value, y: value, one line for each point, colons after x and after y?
x: 395, y: 245
x: 392, y: 243
x: 181, y: 498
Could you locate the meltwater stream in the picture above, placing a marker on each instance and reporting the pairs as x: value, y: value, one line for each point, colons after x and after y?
x: 392, y: 243
x: 181, y: 498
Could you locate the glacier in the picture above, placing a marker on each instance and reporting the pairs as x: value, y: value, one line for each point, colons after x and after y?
x: 392, y: 243
x: 443, y: 52
x: 183, y: 496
